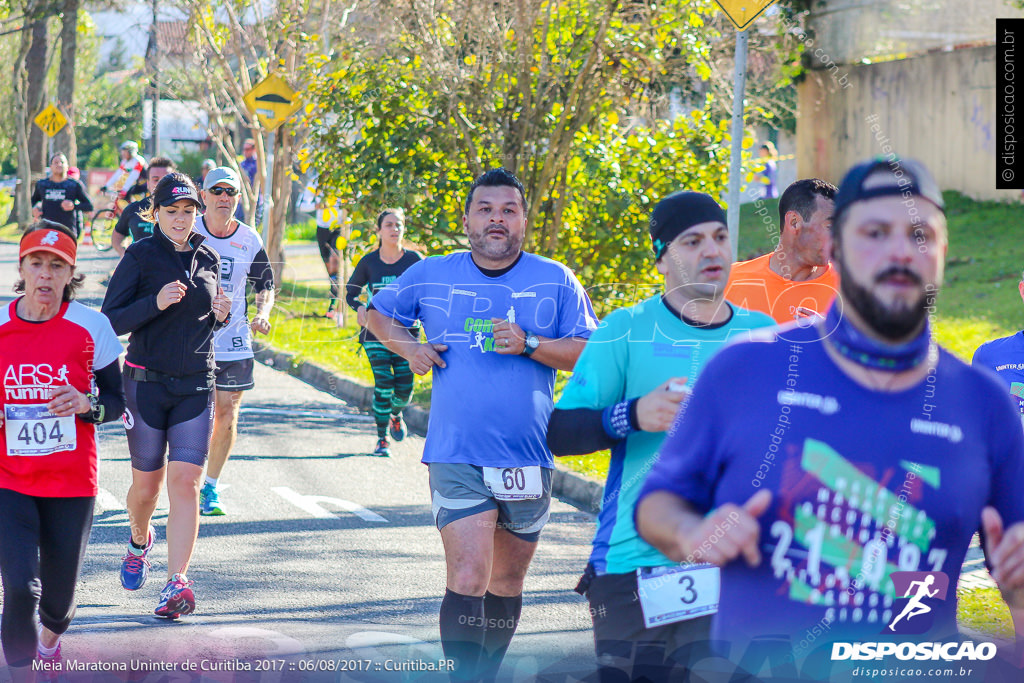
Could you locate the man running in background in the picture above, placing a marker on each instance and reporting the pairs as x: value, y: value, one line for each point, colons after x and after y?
x: 130, y: 222
x: 624, y: 393
x: 796, y: 279
x: 242, y: 260
x: 1006, y: 357
x: 856, y: 447
x: 490, y: 468
x: 60, y: 197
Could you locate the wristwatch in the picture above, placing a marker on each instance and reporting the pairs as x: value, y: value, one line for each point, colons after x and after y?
x: 532, y: 342
x: 96, y: 409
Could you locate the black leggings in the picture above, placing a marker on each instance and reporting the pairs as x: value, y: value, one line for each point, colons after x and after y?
x: 156, y: 421
x: 42, y: 545
x: 392, y: 384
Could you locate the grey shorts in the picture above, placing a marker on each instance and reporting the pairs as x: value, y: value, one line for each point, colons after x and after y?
x: 236, y: 375
x: 458, y: 491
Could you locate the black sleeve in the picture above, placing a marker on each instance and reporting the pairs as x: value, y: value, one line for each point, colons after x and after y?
x: 261, y: 275
x: 84, y: 202
x: 121, y: 227
x: 37, y: 196
x: 354, y: 286
x: 126, y: 312
x: 578, y: 431
x: 110, y: 391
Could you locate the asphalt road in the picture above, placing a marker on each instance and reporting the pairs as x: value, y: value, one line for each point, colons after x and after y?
x: 327, y: 567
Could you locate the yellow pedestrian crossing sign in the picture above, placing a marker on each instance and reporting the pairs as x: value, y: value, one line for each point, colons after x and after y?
x: 50, y: 120
x: 743, y: 12
x: 272, y: 100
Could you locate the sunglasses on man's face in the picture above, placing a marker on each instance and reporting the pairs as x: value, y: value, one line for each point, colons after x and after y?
x: 218, y: 191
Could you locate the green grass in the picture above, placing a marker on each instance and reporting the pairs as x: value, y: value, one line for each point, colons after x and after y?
x: 979, y: 301
x: 303, y: 231
x: 984, y: 610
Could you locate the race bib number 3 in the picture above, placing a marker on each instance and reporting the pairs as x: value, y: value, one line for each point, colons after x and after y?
x: 514, y: 483
x: 34, y: 430
x: 671, y: 594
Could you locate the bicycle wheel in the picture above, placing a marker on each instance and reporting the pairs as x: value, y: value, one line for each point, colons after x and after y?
x: 102, y: 227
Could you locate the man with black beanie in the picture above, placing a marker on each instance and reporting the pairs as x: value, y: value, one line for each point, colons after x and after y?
x: 626, y: 389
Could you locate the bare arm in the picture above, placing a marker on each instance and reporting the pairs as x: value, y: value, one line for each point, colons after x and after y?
x: 117, y: 242
x: 561, y: 354
x: 399, y: 339
x: 667, y: 522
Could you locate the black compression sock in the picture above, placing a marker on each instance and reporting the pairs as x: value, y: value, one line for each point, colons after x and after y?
x: 462, y: 633
x: 502, y: 619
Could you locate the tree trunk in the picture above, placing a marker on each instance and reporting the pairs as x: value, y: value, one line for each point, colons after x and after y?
x: 277, y: 199
x: 21, y: 211
x: 35, y: 65
x: 66, y: 141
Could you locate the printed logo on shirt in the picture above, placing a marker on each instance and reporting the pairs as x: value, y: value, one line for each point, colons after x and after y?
x: 55, y: 194
x: 227, y: 267
x: 29, y: 381
x: 524, y: 295
x: 481, y: 334
x: 239, y: 245
x: 939, y: 429
x: 827, y: 405
x: 463, y: 292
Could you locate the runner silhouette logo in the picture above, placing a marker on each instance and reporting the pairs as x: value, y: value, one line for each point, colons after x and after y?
x: 917, y: 595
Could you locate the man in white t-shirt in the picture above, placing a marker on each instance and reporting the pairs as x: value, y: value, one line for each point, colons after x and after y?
x: 242, y: 259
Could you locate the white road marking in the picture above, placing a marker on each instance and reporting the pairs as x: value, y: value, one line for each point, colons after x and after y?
x: 305, y: 413
x: 311, y: 504
x: 106, y: 501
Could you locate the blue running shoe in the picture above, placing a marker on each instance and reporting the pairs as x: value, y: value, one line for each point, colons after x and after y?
x: 176, y: 599
x: 209, y: 501
x: 382, y: 449
x: 396, y: 427
x: 135, y: 567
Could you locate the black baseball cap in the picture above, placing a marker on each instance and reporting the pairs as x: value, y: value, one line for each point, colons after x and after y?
x: 912, y: 180
x: 172, y: 189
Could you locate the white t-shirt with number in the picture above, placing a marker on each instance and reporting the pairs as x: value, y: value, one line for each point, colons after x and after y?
x: 242, y: 259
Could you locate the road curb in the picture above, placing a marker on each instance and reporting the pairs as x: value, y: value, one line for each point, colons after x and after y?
x: 572, y: 487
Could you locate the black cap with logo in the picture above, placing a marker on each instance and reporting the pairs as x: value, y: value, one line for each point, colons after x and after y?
x: 173, y: 189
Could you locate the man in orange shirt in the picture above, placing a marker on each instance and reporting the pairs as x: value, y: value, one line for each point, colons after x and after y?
x: 796, y: 279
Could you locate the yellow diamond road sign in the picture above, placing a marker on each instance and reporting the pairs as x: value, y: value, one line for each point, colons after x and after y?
x: 50, y: 120
x: 743, y: 12
x: 272, y: 101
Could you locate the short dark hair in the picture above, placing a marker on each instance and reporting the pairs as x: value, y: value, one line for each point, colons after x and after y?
x: 161, y: 162
x: 77, y: 279
x: 801, y: 197
x: 54, y: 156
x: 496, y: 177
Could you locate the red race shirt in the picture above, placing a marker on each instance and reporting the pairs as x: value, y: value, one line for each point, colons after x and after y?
x: 41, y: 454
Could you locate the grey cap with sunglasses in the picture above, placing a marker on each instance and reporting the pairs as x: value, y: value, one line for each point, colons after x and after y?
x: 222, y: 175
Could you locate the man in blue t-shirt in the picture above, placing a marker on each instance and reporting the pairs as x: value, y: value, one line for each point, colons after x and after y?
x: 832, y: 466
x: 1006, y: 357
x: 498, y: 323
x: 624, y: 393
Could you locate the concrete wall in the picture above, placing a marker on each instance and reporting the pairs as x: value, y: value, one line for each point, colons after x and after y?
x: 939, y: 108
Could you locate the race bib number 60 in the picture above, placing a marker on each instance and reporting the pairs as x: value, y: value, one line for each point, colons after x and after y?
x: 34, y: 430
x: 514, y: 483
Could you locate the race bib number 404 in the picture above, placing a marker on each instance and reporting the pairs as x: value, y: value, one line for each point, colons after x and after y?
x: 514, y: 483
x: 34, y: 430
x: 671, y: 594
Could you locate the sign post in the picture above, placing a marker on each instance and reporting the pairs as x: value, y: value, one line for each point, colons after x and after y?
x: 742, y: 13
x: 272, y: 101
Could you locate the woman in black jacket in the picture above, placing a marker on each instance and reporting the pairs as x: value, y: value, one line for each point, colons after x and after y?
x: 166, y: 292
